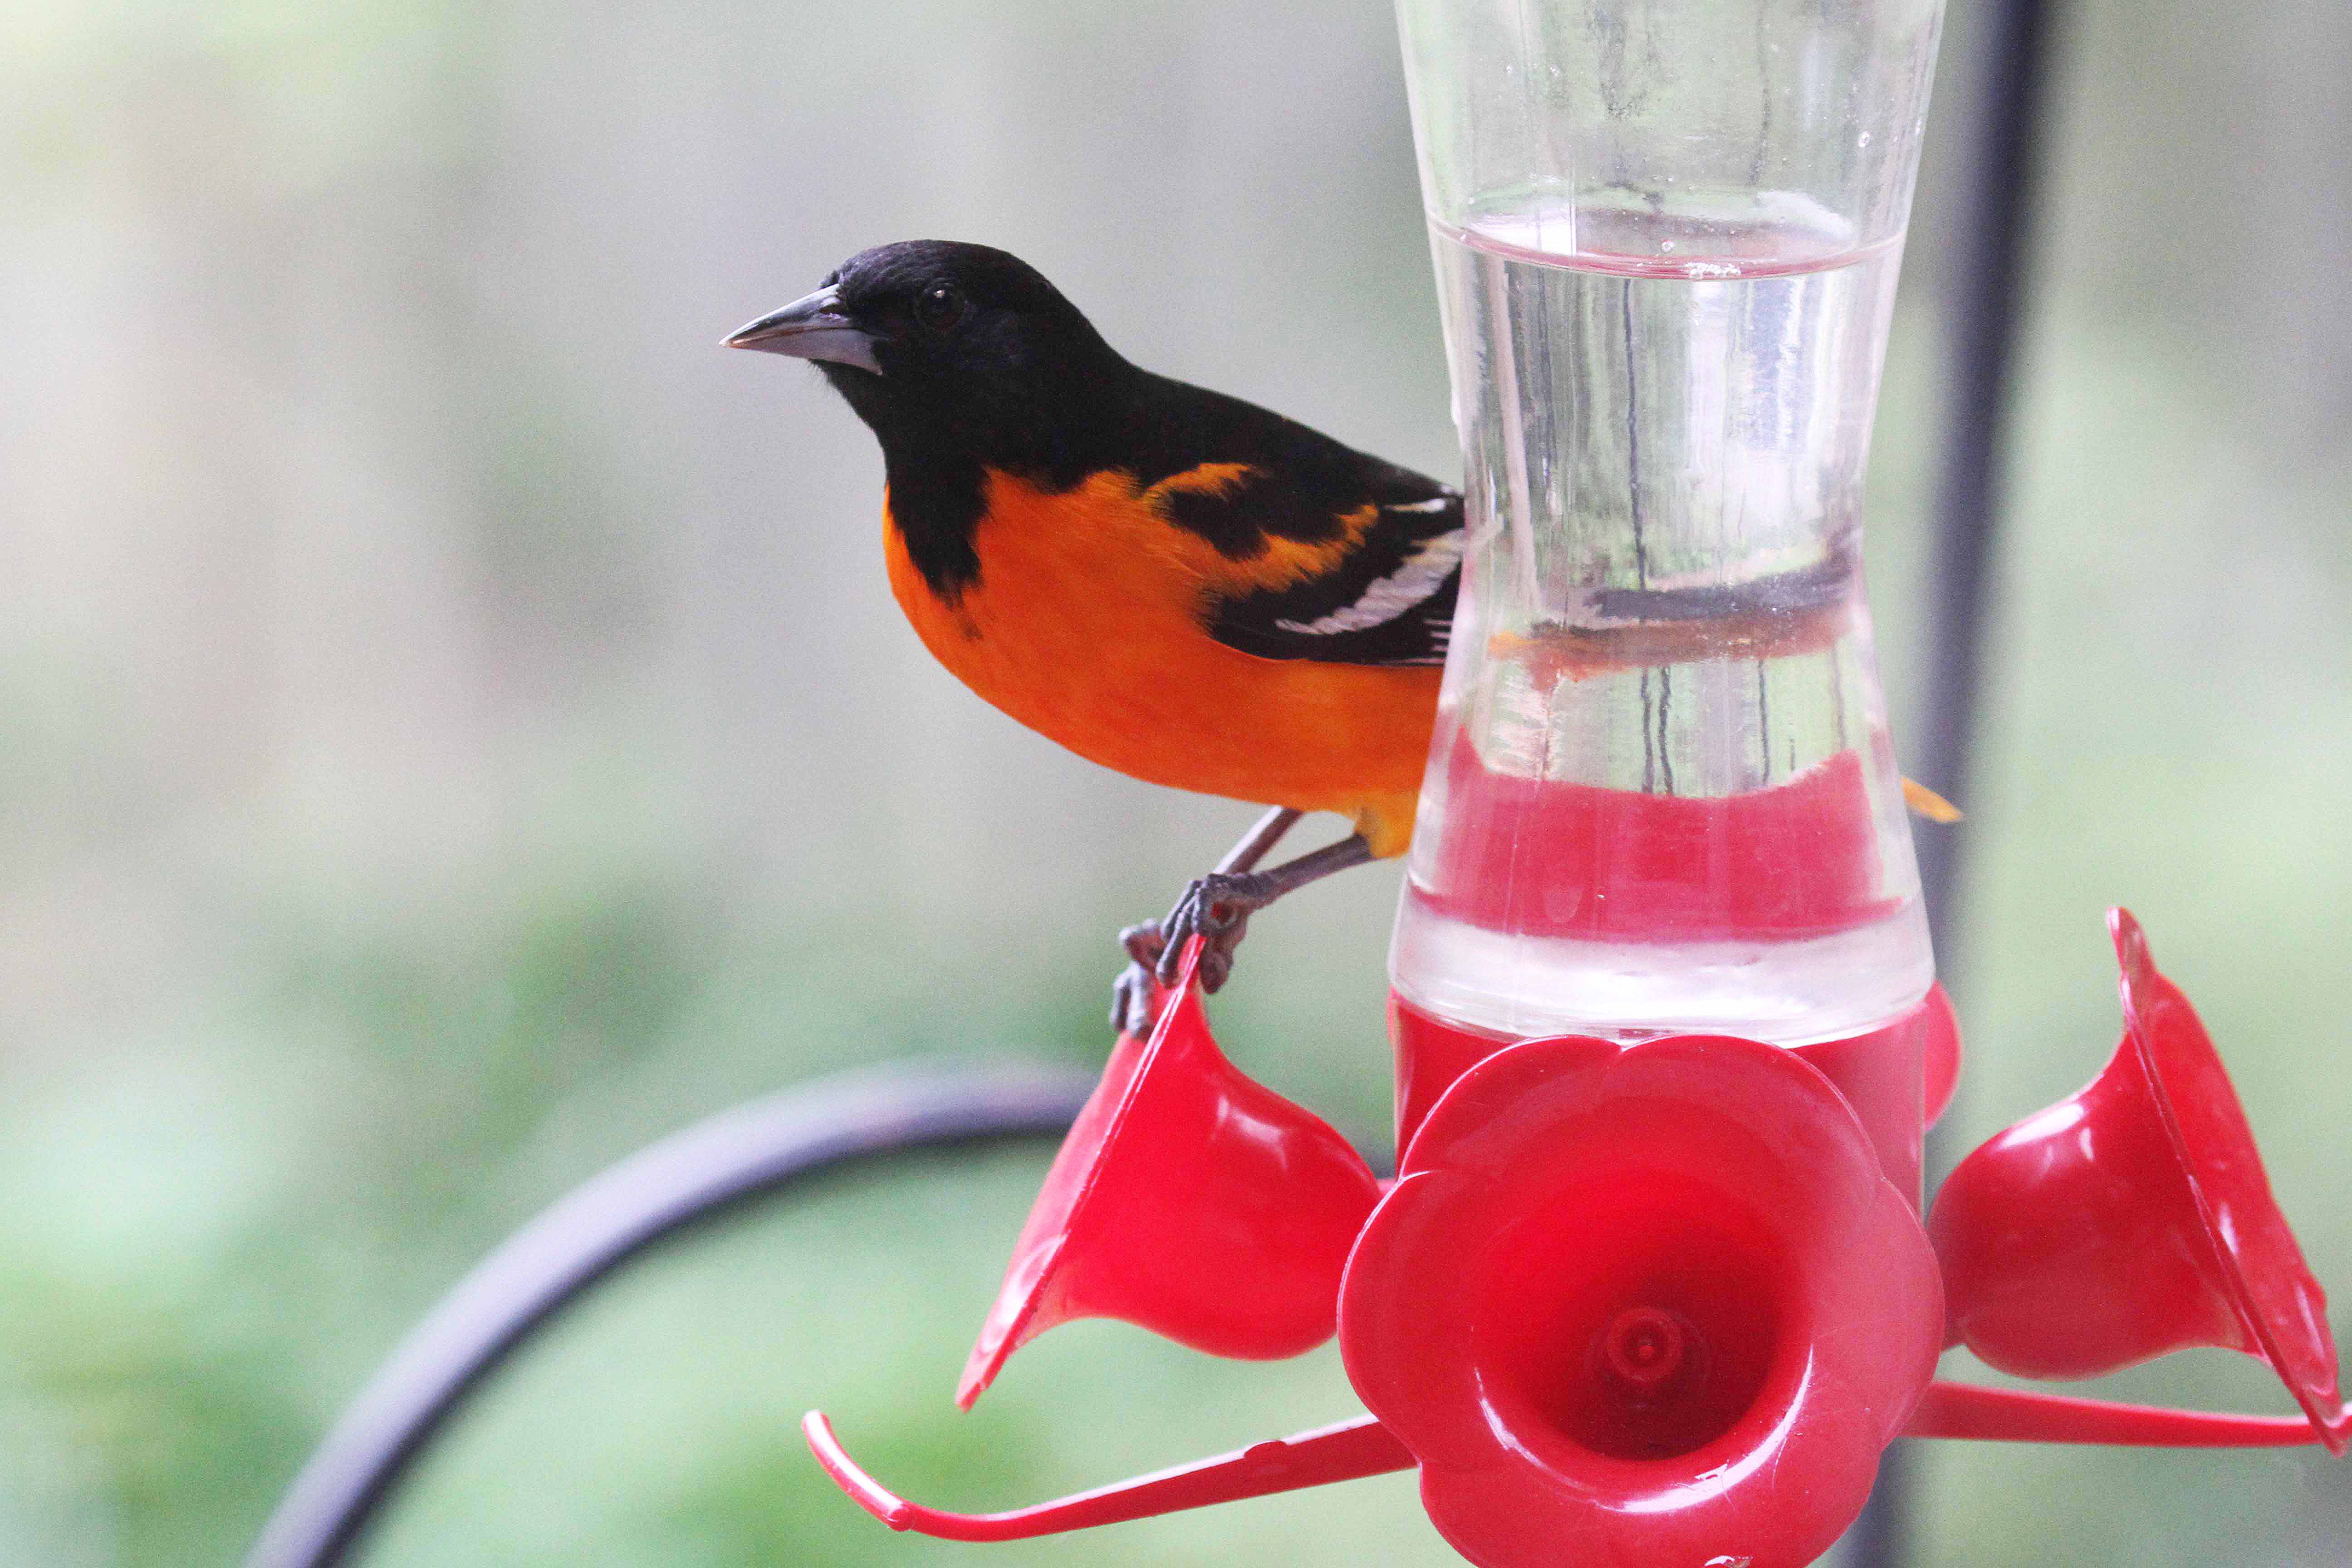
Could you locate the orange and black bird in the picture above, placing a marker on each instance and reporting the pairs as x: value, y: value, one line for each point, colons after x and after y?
x: 1168, y: 581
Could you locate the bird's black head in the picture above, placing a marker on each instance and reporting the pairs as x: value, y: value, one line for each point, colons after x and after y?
x: 943, y: 347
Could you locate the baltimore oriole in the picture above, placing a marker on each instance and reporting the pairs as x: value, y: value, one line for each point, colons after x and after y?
x: 1168, y: 581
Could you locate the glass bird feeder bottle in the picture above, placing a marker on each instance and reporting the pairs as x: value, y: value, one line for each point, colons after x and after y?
x: 1661, y: 795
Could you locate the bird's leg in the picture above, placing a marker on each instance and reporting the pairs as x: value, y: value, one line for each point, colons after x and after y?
x: 1147, y: 944
x: 1218, y: 905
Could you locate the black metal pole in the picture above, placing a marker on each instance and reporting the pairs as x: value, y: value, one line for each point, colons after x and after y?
x: 1982, y: 291
x: 736, y: 1154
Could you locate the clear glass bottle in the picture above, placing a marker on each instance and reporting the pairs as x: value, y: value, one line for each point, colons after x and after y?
x: 1661, y: 795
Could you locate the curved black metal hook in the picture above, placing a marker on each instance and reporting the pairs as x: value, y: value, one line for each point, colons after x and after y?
x: 602, y: 1224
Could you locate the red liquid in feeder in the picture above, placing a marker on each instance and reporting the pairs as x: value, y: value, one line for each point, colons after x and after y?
x: 1548, y: 859
x: 1540, y: 906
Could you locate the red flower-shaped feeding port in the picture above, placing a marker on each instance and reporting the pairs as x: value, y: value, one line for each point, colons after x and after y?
x: 2135, y: 1218
x: 1645, y: 1304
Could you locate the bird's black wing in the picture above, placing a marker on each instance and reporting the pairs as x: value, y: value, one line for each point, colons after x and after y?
x: 1390, y: 600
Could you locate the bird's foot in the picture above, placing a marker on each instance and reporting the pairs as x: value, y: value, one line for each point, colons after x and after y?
x: 1216, y: 909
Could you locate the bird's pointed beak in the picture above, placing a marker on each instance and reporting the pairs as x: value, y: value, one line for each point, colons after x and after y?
x: 813, y: 326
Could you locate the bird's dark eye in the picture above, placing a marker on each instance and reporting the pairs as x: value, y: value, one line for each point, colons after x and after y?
x: 941, y: 306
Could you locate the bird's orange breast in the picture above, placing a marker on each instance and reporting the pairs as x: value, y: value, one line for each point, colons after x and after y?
x: 1085, y: 625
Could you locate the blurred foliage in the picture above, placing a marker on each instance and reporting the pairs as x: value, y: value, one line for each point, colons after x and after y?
x: 453, y: 729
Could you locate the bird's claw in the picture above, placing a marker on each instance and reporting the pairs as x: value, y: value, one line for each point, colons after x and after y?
x: 1216, y: 909
x: 1131, y: 993
x: 1143, y: 943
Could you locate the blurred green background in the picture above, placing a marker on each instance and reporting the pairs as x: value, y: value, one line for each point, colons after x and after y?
x: 454, y: 728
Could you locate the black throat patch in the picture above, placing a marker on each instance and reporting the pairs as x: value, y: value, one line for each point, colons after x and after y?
x: 935, y: 501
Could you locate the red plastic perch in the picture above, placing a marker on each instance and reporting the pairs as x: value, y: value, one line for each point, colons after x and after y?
x: 1349, y: 1450
x: 1343, y: 1452
x: 2018, y: 1416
